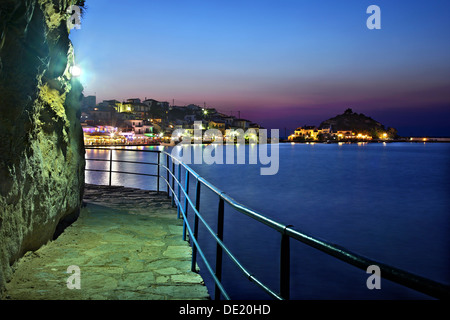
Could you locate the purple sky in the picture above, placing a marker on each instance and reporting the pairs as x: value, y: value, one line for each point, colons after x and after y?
x: 282, y: 64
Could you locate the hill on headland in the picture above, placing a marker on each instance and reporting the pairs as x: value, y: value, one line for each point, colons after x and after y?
x: 357, y: 122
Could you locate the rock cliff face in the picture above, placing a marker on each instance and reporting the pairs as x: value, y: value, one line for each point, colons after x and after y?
x: 41, y: 140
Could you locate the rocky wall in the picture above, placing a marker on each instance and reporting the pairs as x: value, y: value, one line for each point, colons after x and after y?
x: 41, y: 140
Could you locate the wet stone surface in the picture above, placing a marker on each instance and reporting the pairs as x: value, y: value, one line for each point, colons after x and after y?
x: 127, y: 244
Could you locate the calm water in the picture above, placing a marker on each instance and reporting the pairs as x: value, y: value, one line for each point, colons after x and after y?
x: 389, y: 202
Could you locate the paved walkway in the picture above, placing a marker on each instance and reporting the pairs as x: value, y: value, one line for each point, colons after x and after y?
x: 127, y: 244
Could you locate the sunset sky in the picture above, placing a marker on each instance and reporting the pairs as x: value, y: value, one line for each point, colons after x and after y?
x: 283, y: 63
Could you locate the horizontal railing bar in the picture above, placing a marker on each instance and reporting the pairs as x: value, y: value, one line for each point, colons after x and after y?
x: 170, y: 172
x: 253, y: 214
x: 96, y: 170
x: 139, y: 174
x: 121, y: 149
x: 124, y: 172
x: 195, y: 174
x: 135, y: 162
x: 124, y: 161
x: 164, y: 179
x: 97, y: 160
x: 410, y: 280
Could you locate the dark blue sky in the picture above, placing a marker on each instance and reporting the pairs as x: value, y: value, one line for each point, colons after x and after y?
x: 282, y: 63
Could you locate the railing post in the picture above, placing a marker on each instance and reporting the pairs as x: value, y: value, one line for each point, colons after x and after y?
x: 220, y: 219
x: 179, y: 186
x: 159, y: 171
x: 285, y: 268
x: 110, y: 167
x: 197, y: 207
x: 173, y: 182
x: 186, y: 188
x: 167, y: 175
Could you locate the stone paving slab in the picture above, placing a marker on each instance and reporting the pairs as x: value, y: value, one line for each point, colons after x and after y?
x: 127, y: 244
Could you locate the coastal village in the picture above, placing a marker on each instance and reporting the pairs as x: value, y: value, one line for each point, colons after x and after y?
x: 152, y: 122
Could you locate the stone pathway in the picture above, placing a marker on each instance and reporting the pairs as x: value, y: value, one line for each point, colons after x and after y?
x: 127, y: 244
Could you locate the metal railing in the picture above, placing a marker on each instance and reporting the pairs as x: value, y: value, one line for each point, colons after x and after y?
x: 175, y: 190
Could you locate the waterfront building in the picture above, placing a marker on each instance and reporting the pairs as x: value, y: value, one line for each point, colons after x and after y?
x: 306, y: 132
x: 217, y: 124
x: 88, y: 102
x: 102, y: 135
x: 109, y: 103
x: 190, y: 117
x: 100, y: 115
x: 241, y: 123
x: 346, y: 134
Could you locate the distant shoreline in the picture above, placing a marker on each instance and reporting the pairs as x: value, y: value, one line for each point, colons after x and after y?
x: 430, y: 140
x: 421, y: 140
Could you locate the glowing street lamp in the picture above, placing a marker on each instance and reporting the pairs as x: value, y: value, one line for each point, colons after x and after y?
x: 75, y: 71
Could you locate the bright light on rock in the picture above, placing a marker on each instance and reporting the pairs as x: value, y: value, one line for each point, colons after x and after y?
x: 75, y: 71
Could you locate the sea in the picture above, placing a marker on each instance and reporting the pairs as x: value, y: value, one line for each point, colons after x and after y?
x: 389, y: 202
